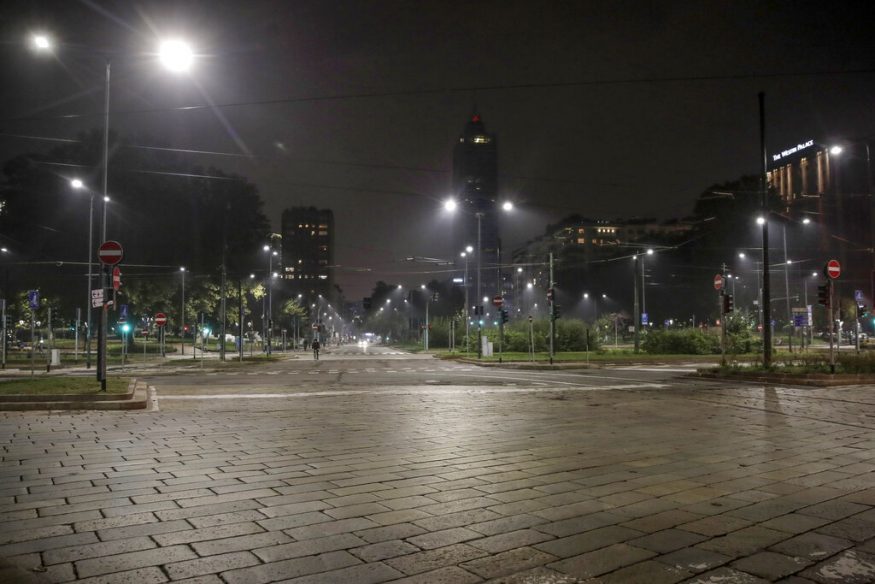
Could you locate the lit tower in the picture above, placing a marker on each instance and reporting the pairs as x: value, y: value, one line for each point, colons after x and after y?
x: 475, y: 184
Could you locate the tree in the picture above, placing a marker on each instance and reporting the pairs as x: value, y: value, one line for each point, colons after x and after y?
x: 165, y: 211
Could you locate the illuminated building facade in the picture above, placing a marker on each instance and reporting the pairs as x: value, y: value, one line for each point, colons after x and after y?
x: 308, y: 251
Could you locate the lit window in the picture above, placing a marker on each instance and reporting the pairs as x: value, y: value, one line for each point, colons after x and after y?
x: 323, y: 277
x: 323, y: 233
x: 480, y: 139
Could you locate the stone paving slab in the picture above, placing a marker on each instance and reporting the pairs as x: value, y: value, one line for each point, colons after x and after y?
x: 690, y: 482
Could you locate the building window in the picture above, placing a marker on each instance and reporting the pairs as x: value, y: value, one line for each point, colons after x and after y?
x: 480, y: 139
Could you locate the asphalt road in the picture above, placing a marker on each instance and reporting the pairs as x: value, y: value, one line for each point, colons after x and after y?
x: 384, y: 466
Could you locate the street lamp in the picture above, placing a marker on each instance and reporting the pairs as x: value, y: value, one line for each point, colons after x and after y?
x: 450, y: 205
x: 182, y: 312
x: 836, y: 150
x: 507, y: 206
x: 269, y: 283
x: 41, y: 42
x: 175, y: 55
x: 77, y: 184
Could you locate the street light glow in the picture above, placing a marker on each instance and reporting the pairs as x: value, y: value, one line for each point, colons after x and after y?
x: 266, y: 248
x: 463, y: 254
x: 650, y: 252
x: 176, y: 55
x: 761, y: 220
x: 529, y: 285
x: 835, y: 150
x: 741, y: 254
x: 586, y: 294
x: 106, y: 199
x: 76, y: 183
x: 41, y: 42
x: 182, y: 268
x: 806, y: 221
x: 450, y: 205
x: 469, y: 249
x: 507, y: 206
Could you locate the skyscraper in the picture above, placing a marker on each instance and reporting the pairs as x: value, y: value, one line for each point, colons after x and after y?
x: 308, y: 250
x: 475, y: 184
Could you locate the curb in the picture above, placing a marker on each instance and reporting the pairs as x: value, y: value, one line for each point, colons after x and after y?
x: 134, y: 399
x: 812, y: 380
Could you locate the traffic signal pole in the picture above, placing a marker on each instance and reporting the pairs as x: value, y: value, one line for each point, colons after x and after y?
x: 767, y: 289
x: 829, y: 309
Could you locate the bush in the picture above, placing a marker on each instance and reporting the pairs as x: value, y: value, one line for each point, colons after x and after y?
x: 681, y: 342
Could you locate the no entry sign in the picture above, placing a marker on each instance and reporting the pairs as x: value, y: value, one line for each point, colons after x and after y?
x: 833, y: 269
x: 110, y: 253
x: 160, y: 319
x: 718, y: 281
x: 498, y: 301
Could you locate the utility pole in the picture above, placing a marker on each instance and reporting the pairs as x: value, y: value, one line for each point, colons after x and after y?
x: 479, y: 299
x: 182, y: 313
x: 240, y: 320
x: 552, y: 311
x: 3, y: 330
x: 722, y: 312
x: 767, y: 291
x: 636, y: 317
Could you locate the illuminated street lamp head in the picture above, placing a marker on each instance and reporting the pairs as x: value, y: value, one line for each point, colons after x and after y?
x: 586, y: 294
x: 276, y: 253
x: 4, y: 250
x: 806, y: 221
x: 176, y: 55
x: 450, y: 205
x: 274, y: 275
x: 761, y: 220
x: 106, y: 199
x: 604, y: 295
x: 835, y: 150
x: 388, y: 301
x: 741, y: 254
x: 507, y: 206
x: 469, y: 249
x: 529, y: 285
x: 649, y: 252
x: 182, y: 268
x: 422, y: 286
x: 251, y: 276
x: 813, y: 274
x: 486, y: 299
x: 519, y: 270
x: 76, y: 184
x: 41, y: 42
x: 400, y: 286
x: 463, y: 254
x: 266, y: 247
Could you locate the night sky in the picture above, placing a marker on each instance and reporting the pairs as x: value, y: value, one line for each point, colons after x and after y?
x: 602, y: 108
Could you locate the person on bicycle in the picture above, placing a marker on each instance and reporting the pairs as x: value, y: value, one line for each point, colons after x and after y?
x: 316, y: 347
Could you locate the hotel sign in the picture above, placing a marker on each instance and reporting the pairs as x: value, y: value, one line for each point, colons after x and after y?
x: 797, y: 148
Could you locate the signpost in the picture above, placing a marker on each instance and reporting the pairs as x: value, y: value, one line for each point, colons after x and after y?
x: 718, y: 282
x: 116, y: 278
x: 833, y: 269
x: 110, y: 253
x: 160, y: 322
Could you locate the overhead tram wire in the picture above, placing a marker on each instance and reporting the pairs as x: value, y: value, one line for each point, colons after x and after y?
x: 467, y: 89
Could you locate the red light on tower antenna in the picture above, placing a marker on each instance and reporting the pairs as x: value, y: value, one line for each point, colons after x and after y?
x: 475, y: 118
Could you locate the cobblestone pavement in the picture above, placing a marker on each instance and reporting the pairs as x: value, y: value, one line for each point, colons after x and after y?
x: 424, y: 471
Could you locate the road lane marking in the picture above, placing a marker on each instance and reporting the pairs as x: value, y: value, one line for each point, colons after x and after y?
x: 153, y: 397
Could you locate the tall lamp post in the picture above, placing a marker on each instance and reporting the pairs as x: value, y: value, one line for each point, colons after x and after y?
x: 451, y: 206
x: 767, y: 290
x: 182, y: 312
x: 465, y: 254
x: 77, y: 184
x: 175, y: 55
x: 269, y: 282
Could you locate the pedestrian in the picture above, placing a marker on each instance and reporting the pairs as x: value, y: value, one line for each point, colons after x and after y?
x: 316, y: 347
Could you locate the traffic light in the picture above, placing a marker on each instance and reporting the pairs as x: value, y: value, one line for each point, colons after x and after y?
x: 504, y: 316
x: 823, y: 295
x: 554, y: 311
x: 728, y: 303
x: 550, y: 294
x: 862, y: 310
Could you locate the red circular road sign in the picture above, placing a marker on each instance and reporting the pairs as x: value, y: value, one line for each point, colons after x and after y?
x: 497, y: 300
x: 833, y: 269
x: 718, y: 281
x: 160, y: 319
x: 110, y: 253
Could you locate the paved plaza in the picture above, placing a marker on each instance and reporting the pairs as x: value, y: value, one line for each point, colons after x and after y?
x: 379, y: 467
